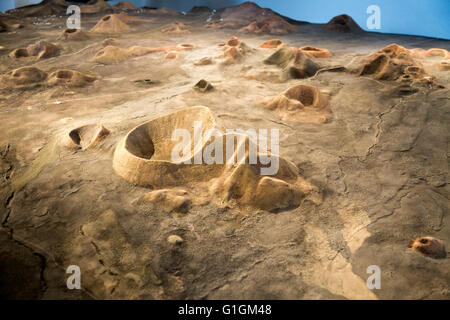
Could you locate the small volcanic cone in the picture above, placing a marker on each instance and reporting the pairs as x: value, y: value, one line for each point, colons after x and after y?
x: 110, y: 24
x: 40, y: 50
x: 69, y: 78
x: 110, y: 55
x: 301, y: 103
x: 25, y: 77
x: 73, y: 35
x: 343, y: 23
x: 19, y: 53
x: 234, y: 50
x: 393, y: 62
x: 270, y: 44
x: 85, y: 137
x: 9, y: 27
x: 294, y: 62
x: 429, y: 247
x: 315, y: 52
x: 145, y: 157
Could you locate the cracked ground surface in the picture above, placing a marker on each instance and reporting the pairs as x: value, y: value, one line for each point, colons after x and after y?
x: 381, y: 163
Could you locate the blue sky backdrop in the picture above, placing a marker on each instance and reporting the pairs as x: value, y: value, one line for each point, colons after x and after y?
x: 415, y: 17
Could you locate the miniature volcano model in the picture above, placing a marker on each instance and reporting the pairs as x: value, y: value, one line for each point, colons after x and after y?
x: 220, y: 154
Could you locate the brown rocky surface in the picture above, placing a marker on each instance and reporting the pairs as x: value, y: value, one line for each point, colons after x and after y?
x: 44, y: 8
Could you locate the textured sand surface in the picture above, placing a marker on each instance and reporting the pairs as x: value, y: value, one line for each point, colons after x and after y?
x: 375, y: 146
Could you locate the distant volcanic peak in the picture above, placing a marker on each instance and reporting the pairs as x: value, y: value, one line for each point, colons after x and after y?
x: 200, y: 10
x: 240, y: 15
x: 247, y: 4
x: 250, y: 8
x: 270, y: 25
x: 166, y: 11
x: 45, y: 8
x: 343, y: 23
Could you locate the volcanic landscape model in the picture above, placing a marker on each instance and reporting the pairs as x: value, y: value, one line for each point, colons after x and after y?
x: 87, y: 176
